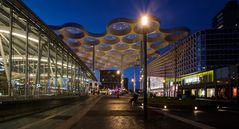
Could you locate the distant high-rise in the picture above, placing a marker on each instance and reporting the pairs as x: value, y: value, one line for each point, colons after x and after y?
x: 228, y: 17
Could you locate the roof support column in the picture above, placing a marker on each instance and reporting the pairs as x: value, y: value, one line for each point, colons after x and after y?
x: 62, y: 66
x: 56, y: 69
x: 93, y: 67
x: 37, y: 82
x: 122, y: 73
x: 134, y: 81
x: 71, y: 89
x: 48, y: 67
x: 10, y: 55
x: 93, y: 59
x: 78, y: 78
x: 175, y: 72
x: 26, y: 63
x: 67, y: 72
x: 74, y: 76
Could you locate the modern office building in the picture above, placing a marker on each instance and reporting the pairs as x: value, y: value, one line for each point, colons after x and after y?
x: 196, y: 64
x: 202, y: 51
x: 33, y: 60
x: 110, y: 79
x: 207, y: 49
x: 228, y: 17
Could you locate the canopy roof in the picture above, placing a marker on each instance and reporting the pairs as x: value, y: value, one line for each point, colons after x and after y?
x: 122, y: 38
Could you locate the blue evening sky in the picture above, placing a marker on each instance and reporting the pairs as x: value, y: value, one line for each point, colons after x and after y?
x: 94, y: 15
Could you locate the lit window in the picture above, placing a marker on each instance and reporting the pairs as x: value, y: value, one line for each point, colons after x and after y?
x: 219, y: 27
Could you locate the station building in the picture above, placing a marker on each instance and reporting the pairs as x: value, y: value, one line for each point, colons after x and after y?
x: 33, y: 59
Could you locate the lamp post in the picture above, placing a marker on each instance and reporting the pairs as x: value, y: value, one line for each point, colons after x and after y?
x: 144, y: 22
x: 133, y: 81
x: 93, y: 58
x: 118, y: 72
x: 122, y: 73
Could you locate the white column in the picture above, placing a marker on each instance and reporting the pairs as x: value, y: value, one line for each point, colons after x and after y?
x: 122, y: 74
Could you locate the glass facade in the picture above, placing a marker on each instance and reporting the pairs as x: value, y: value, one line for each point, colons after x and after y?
x: 33, y: 60
x: 222, y: 47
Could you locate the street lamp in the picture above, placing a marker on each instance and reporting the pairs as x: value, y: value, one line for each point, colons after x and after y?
x: 118, y: 72
x: 144, y: 23
x: 121, y: 81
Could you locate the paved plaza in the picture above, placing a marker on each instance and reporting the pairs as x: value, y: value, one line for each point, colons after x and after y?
x: 117, y: 113
x: 101, y: 112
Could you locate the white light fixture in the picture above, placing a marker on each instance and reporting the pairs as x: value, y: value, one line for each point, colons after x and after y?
x: 117, y: 72
x: 165, y: 107
x: 144, y: 20
x: 195, y: 108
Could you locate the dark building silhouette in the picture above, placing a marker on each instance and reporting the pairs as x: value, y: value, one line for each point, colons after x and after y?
x: 110, y: 79
x: 228, y: 17
x: 126, y: 81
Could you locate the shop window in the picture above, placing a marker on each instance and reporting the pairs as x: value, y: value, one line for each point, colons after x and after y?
x: 201, y: 93
x: 234, y: 92
x: 211, y: 92
x: 193, y: 92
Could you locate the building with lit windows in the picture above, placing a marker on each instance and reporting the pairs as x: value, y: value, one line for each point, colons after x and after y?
x: 208, y: 49
x: 201, y: 51
x: 33, y: 59
x: 110, y: 79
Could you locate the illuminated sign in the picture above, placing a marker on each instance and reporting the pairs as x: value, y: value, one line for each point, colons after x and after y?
x: 193, y: 79
x: 156, y: 82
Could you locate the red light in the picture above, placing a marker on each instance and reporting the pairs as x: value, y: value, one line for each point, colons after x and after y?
x: 234, y: 92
